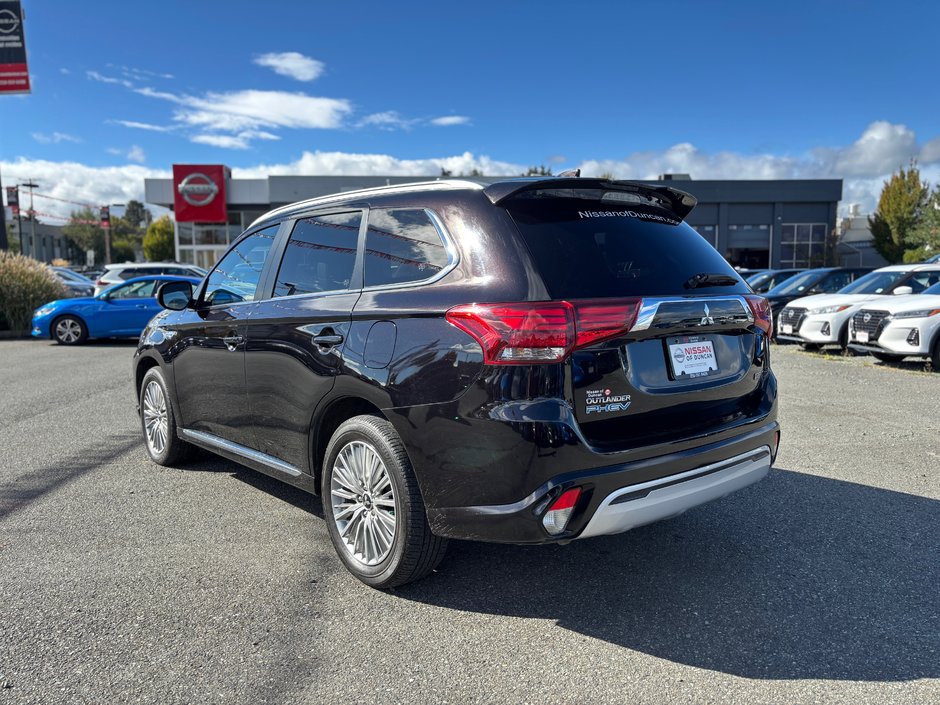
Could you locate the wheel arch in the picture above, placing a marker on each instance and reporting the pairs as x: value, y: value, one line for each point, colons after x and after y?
x: 327, y: 420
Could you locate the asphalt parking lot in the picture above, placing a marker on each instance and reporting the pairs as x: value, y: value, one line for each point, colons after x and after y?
x: 121, y: 581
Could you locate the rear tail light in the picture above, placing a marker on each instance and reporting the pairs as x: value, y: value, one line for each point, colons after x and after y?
x: 525, y: 333
x: 101, y: 282
x: 763, y: 316
x: 558, y: 514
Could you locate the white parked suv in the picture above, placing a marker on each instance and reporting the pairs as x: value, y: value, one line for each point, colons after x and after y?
x: 117, y: 273
x: 815, y: 321
x: 895, y: 328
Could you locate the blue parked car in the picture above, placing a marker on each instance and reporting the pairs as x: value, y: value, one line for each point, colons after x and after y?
x: 120, y: 311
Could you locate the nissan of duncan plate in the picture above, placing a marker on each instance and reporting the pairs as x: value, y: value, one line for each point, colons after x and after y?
x: 522, y: 361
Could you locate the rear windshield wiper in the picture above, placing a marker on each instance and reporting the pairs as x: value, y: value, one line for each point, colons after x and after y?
x: 706, y: 279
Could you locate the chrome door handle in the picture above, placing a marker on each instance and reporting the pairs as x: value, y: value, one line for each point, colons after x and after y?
x: 233, y: 341
x: 327, y: 341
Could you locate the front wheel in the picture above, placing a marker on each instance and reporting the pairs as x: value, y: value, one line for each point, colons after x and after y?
x: 935, y: 354
x: 69, y: 330
x: 373, y: 506
x: 164, y: 446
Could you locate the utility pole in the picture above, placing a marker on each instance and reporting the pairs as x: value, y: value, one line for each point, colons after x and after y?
x: 4, y: 244
x: 34, y: 246
x: 105, y: 217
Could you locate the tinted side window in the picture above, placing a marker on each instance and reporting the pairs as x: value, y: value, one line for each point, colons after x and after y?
x: 129, y: 273
x: 235, y: 278
x: 320, y: 255
x: 137, y: 290
x: 835, y: 281
x: 402, y: 246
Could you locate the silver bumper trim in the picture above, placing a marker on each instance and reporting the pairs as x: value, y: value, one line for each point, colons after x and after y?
x: 636, y: 505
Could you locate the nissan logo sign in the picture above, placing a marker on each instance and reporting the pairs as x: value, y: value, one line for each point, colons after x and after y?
x: 8, y: 21
x: 198, y: 189
x: 866, y: 317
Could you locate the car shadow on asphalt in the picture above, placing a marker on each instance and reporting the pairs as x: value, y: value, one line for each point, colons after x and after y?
x: 205, y: 461
x: 797, y: 577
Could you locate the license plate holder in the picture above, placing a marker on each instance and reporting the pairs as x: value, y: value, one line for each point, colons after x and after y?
x: 861, y: 336
x: 786, y: 329
x: 691, y: 357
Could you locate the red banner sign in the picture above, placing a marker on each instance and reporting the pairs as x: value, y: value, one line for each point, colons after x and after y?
x: 199, y: 193
x: 14, y: 73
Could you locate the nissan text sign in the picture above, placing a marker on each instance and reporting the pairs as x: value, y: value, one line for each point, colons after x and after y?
x: 199, y: 193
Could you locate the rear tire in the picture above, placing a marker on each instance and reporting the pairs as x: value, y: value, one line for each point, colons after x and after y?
x: 69, y: 330
x: 373, y: 507
x: 158, y: 423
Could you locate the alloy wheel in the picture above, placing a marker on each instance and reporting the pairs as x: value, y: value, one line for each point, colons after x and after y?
x: 68, y: 330
x: 363, y: 501
x: 156, y: 420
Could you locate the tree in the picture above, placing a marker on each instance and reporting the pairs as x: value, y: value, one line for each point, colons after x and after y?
x: 899, y: 206
x: 924, y: 238
x: 13, y: 240
x: 84, y: 231
x: 159, y: 240
x: 136, y: 215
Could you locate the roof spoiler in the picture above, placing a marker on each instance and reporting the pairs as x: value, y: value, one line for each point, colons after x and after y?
x: 678, y: 202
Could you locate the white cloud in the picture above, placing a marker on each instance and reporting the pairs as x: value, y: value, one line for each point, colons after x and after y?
x: 292, y: 64
x: 143, y: 125
x: 54, y: 138
x: 119, y: 183
x: 930, y: 153
x: 64, y: 71
x: 351, y: 164
x: 79, y: 182
x: 863, y: 165
x: 449, y: 120
x: 240, y: 141
x: 388, y: 120
x: 95, y: 76
x: 136, y: 154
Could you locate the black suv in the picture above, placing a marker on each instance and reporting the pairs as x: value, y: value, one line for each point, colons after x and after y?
x: 526, y: 361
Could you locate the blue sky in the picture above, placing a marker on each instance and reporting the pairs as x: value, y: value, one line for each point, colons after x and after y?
x: 822, y: 89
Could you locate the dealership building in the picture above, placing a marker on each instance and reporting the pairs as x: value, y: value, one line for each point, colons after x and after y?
x: 780, y: 223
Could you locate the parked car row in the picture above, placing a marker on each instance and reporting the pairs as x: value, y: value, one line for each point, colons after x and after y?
x: 892, y: 313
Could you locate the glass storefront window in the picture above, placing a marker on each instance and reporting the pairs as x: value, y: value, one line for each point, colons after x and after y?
x: 802, y: 244
x: 749, y: 246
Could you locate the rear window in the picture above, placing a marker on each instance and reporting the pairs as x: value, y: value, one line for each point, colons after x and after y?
x: 593, y: 248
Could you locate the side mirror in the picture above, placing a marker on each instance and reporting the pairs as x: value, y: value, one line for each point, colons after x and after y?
x: 903, y: 291
x: 175, y: 295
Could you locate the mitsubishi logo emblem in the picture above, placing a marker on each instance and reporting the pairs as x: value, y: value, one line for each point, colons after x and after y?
x: 706, y: 319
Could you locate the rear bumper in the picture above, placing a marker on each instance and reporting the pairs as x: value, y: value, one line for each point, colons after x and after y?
x: 634, y: 506
x: 618, y: 498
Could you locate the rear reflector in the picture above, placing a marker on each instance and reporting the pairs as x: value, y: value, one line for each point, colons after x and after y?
x: 526, y: 333
x: 763, y: 316
x: 558, y: 514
